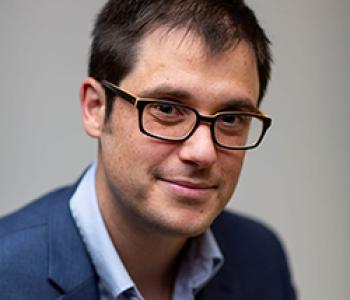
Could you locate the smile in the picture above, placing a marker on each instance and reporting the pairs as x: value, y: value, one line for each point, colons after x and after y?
x: 189, y: 189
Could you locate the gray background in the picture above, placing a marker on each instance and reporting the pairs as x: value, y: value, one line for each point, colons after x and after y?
x: 297, y: 181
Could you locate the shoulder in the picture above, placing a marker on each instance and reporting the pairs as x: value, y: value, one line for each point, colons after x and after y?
x: 33, y: 214
x: 42, y: 254
x: 23, y: 235
x: 255, y: 263
x: 246, y: 240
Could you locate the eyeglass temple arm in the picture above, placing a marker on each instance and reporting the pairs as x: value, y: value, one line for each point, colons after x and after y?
x: 115, y: 90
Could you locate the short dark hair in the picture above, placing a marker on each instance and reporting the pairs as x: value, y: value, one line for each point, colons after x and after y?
x: 121, y: 24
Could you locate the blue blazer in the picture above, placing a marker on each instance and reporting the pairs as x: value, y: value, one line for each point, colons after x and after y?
x: 42, y: 257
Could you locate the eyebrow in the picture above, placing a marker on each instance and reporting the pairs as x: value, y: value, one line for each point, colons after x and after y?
x: 243, y: 105
x: 166, y: 91
x: 179, y: 95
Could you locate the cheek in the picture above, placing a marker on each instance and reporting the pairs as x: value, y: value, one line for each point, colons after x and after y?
x: 118, y: 146
x: 123, y: 138
x: 231, y: 170
x: 131, y: 152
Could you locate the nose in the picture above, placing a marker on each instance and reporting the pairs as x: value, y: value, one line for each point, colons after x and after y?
x: 199, y: 149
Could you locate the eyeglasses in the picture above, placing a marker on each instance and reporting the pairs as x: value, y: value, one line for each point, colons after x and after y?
x: 171, y: 121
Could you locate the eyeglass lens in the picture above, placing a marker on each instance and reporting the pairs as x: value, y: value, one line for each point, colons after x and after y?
x: 175, y: 122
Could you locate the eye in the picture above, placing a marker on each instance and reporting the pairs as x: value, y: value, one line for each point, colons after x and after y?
x: 232, y: 122
x: 164, y: 108
x: 228, y: 119
x: 167, y: 112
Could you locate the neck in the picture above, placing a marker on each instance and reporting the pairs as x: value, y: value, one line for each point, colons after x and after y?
x: 152, y: 262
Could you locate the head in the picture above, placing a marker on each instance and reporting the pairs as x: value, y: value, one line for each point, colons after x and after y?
x: 209, y: 55
x: 121, y: 25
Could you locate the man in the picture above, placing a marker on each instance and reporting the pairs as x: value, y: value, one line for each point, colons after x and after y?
x: 173, y: 98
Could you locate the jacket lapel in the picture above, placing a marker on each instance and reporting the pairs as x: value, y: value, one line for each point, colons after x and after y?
x: 227, y: 284
x: 87, y: 291
x: 224, y: 286
x: 70, y: 268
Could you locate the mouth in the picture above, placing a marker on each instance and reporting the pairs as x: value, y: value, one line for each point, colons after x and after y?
x: 188, y: 188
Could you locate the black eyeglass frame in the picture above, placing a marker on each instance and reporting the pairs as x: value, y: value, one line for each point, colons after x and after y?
x: 140, y: 103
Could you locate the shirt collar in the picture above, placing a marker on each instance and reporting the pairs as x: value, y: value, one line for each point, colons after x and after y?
x: 109, y: 267
x: 200, y: 263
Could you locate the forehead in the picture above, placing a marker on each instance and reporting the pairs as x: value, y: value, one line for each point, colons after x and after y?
x: 178, y: 59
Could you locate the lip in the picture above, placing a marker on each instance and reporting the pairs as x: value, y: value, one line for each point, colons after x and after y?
x: 188, y: 188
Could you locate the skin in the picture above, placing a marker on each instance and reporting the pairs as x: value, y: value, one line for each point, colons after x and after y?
x: 152, y: 192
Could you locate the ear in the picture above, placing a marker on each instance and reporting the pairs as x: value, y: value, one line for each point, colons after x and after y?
x: 92, y: 104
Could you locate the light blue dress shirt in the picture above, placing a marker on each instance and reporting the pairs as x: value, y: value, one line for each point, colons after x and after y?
x: 201, y: 262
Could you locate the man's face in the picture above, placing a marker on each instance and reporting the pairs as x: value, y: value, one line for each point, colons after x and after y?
x: 176, y: 187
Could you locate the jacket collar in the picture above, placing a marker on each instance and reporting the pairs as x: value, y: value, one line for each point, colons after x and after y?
x: 70, y: 268
x: 226, y: 284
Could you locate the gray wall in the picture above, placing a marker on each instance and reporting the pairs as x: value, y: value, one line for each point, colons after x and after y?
x: 297, y: 181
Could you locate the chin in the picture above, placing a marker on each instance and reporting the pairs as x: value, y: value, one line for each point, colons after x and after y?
x: 188, y: 225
